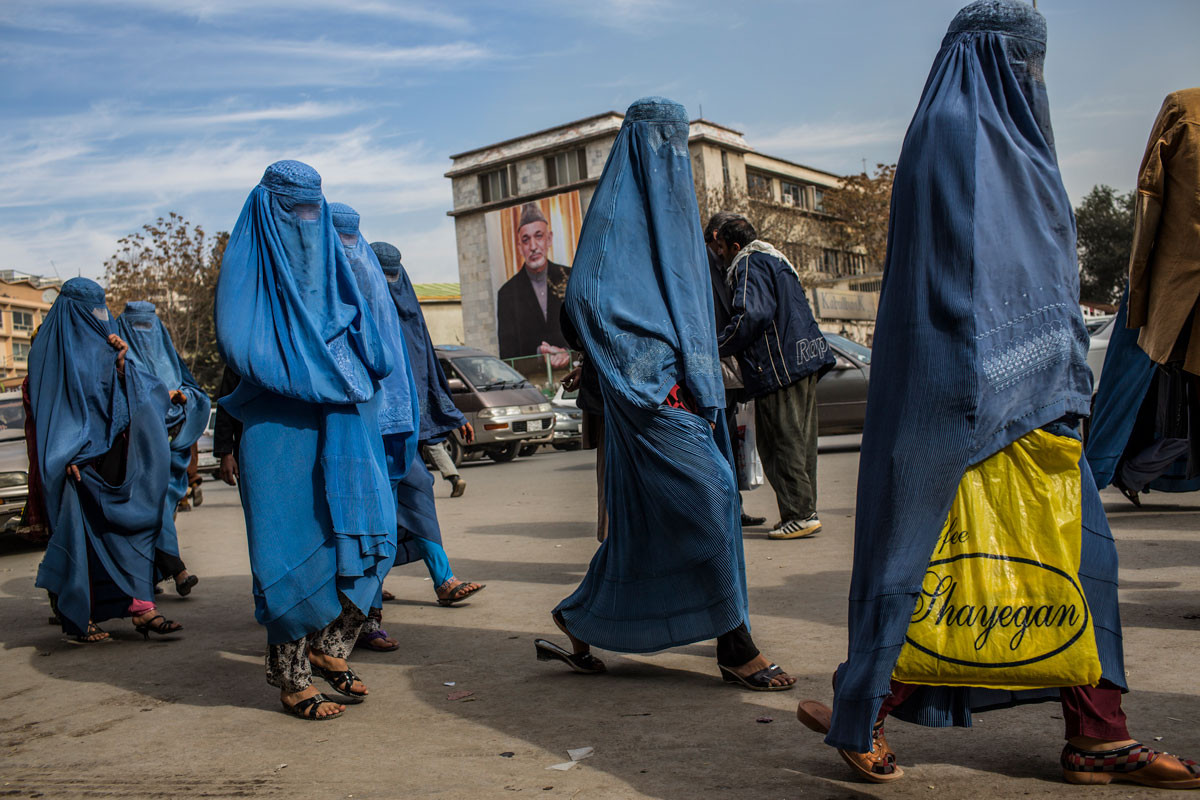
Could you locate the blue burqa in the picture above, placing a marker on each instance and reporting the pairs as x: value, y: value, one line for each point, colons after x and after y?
x: 292, y: 322
x: 416, y: 514
x: 101, y: 553
x: 671, y: 571
x: 979, y: 340
x: 1124, y: 384
x: 151, y: 349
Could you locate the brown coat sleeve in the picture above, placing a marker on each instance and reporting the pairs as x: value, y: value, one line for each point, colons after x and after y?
x: 1147, y: 212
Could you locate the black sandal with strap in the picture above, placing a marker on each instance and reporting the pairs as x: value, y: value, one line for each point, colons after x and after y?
x: 759, y: 681
x: 583, y: 663
x: 342, y: 682
x: 164, y: 628
x: 93, y: 630
x: 307, y: 709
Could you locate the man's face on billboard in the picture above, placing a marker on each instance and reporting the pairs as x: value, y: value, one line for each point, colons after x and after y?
x: 534, y: 241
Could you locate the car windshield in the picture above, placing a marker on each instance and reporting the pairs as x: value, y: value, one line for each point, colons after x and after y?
x: 1100, y: 328
x: 485, y: 372
x: 850, y: 349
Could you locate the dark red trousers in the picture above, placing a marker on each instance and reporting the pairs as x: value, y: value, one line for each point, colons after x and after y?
x: 1093, y: 711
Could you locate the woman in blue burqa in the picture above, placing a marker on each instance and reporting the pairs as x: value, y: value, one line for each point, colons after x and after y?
x: 104, y: 459
x: 416, y: 517
x: 151, y: 349
x: 979, y: 342
x: 320, y: 517
x: 671, y: 571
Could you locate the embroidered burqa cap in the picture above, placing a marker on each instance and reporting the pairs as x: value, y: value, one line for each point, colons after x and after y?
x: 979, y: 340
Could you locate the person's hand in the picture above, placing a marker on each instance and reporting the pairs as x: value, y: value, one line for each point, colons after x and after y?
x: 118, y: 344
x: 572, y: 379
x: 178, y: 398
x: 229, y: 469
x: 73, y: 472
x: 560, y: 359
x: 467, y: 433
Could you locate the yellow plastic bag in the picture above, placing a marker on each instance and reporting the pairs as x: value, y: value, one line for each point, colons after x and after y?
x: 1001, y: 605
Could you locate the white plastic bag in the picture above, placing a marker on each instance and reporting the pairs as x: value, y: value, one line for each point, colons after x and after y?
x: 749, y: 465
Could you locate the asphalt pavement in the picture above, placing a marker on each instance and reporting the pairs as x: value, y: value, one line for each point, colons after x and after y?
x: 191, y: 716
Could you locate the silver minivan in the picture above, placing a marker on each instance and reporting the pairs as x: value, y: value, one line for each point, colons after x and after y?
x: 507, y: 412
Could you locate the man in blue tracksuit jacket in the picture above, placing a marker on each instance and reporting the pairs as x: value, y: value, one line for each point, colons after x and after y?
x: 782, y: 355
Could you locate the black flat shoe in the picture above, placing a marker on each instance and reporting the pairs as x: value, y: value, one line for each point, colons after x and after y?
x: 583, y: 663
x: 185, y: 588
x: 342, y: 682
x: 751, y: 522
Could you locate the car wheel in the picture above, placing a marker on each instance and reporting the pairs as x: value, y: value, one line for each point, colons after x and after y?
x: 505, y: 455
x: 454, y: 449
x: 527, y: 450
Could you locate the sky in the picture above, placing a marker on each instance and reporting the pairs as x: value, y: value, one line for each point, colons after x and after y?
x: 119, y: 111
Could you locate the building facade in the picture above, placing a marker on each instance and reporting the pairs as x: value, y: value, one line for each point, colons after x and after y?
x: 24, y: 301
x: 549, y: 176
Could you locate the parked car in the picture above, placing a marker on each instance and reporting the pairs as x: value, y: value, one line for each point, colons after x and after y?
x: 1098, y: 348
x: 842, y: 393
x: 14, y: 459
x: 507, y: 412
x: 206, y: 462
x: 568, y: 420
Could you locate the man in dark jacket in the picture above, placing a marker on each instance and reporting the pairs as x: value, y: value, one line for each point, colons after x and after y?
x: 528, y: 304
x: 782, y: 354
x: 723, y: 311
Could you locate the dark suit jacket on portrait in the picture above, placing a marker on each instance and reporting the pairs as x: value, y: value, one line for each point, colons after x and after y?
x: 519, y: 320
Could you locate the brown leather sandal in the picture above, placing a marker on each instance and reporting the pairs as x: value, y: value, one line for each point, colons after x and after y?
x: 1133, y: 763
x: 877, y: 766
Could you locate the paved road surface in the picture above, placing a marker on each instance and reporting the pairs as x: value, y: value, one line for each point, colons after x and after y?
x: 192, y: 716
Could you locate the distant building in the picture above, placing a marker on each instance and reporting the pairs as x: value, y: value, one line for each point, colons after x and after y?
x: 24, y: 301
x: 441, y: 305
x: 556, y: 170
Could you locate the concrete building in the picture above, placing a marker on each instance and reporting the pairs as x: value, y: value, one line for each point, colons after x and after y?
x: 441, y: 305
x: 783, y: 199
x: 24, y: 301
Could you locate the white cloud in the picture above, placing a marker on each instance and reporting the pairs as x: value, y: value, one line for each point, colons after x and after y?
x: 829, y: 136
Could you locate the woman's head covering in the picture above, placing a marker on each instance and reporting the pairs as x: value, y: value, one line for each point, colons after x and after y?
x: 151, y: 349
x: 438, y: 413
x: 979, y: 338
x: 397, y: 410
x: 639, y: 291
x: 289, y: 313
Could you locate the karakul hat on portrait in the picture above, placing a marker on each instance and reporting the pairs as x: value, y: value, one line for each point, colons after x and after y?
x: 530, y: 213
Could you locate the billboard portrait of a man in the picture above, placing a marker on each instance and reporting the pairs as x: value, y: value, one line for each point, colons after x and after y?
x: 528, y: 304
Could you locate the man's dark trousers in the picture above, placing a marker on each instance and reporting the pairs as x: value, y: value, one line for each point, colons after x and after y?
x: 786, y: 422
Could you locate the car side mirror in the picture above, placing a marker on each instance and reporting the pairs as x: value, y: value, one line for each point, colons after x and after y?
x: 456, y: 385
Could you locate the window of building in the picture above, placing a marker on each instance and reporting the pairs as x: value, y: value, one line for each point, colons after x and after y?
x: 566, y: 167
x: 499, y: 184
x: 22, y: 321
x: 841, y: 263
x: 20, y: 351
x: 818, y: 199
x: 725, y: 170
x: 758, y: 185
x: 794, y: 194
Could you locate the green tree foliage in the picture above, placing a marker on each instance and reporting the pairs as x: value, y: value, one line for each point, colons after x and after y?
x: 1104, y: 220
x: 174, y: 265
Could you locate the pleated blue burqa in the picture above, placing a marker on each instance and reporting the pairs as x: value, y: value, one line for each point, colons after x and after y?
x: 416, y: 514
x: 1124, y: 383
x: 292, y: 322
x: 979, y: 340
x: 101, y: 552
x: 151, y: 349
x: 671, y: 571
